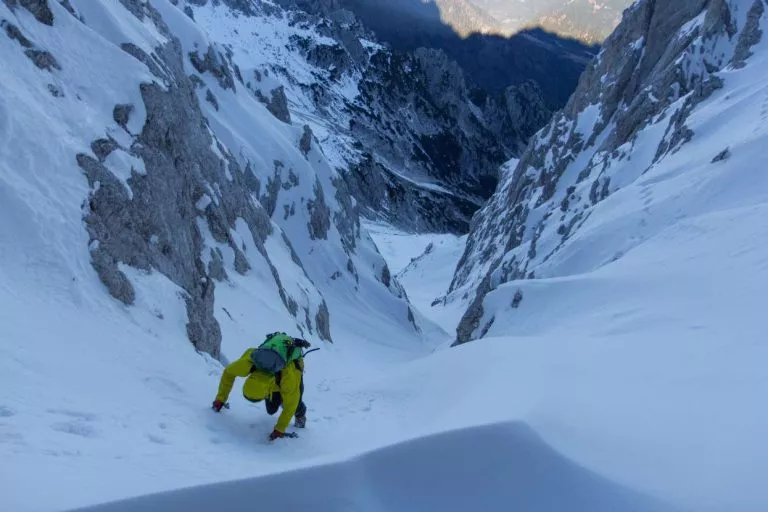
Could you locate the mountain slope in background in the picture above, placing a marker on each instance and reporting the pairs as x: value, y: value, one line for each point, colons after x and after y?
x: 661, y: 130
x: 492, y: 61
x: 591, y: 21
x: 177, y: 169
x: 406, y: 131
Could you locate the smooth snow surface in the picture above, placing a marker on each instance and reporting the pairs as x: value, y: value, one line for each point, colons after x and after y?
x: 500, y: 467
x: 424, y: 264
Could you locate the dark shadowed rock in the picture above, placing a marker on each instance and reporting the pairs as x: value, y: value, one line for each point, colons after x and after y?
x: 751, y: 35
x: 305, y: 144
x: 210, y: 98
x: 39, y: 9
x: 14, y: 33
x: 42, y: 59
x: 212, y: 62
x: 319, y: 214
x: 650, y: 71
x: 115, y: 280
x: 103, y: 147
x: 121, y: 114
x: 278, y: 105
x: 323, y: 322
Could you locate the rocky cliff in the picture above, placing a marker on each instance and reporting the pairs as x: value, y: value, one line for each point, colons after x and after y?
x: 190, y: 169
x: 408, y: 132
x: 632, y: 114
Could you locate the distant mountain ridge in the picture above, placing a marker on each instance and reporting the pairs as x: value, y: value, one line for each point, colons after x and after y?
x: 472, y: 38
x: 589, y: 21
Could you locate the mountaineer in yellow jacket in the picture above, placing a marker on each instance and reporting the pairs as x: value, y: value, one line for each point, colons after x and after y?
x: 274, y: 373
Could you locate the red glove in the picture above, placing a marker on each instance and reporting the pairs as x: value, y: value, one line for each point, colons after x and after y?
x: 218, y: 405
x: 276, y: 434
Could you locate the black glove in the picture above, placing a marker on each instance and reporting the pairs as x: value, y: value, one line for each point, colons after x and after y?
x: 218, y: 405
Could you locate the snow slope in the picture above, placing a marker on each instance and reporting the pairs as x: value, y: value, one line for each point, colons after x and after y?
x: 102, y: 400
x: 520, y: 472
x: 636, y: 387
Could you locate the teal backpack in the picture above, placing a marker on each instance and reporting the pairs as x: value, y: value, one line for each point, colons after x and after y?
x: 276, y: 352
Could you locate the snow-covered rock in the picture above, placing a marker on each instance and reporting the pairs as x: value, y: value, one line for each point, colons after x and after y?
x: 665, y: 114
x: 416, y: 144
x: 167, y: 162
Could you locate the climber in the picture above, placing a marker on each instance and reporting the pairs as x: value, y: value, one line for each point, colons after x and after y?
x: 274, y: 373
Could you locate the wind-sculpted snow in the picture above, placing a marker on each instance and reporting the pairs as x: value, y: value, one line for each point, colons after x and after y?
x: 497, y: 467
x: 653, y: 104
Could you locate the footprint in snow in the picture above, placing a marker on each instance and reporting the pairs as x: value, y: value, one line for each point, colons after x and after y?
x: 6, y: 412
x: 84, y: 416
x: 157, y: 439
x: 76, y: 429
x: 11, y: 437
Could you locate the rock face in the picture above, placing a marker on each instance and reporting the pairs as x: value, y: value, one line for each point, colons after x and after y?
x: 416, y: 122
x: 411, y: 135
x: 633, y: 104
x: 407, y: 130
x: 201, y: 181
x: 491, y: 60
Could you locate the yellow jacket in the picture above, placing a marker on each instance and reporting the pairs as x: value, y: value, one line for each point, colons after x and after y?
x: 259, y: 385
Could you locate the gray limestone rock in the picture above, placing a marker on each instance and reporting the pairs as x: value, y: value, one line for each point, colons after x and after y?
x: 15, y: 33
x: 42, y: 59
x: 278, y: 105
x: 320, y: 214
x: 722, y: 156
x: 121, y: 114
x: 210, y: 98
x: 648, y: 64
x: 216, y: 268
x: 751, y: 35
x: 115, y: 280
x: 103, y: 147
x: 68, y: 6
x: 417, y: 115
x: 305, y: 144
x: 323, y: 322
x: 39, y: 9
x: 214, y: 63
x: 140, y: 55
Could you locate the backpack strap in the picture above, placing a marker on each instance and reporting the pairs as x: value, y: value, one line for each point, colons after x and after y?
x: 290, y: 349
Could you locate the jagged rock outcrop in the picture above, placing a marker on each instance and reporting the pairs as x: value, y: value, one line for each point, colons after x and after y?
x: 491, y: 61
x: 663, y: 60
x: 410, y: 135
x: 415, y: 122
x: 197, y: 184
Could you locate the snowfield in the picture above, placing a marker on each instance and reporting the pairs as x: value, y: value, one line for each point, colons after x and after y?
x: 645, y: 394
x: 410, y: 476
